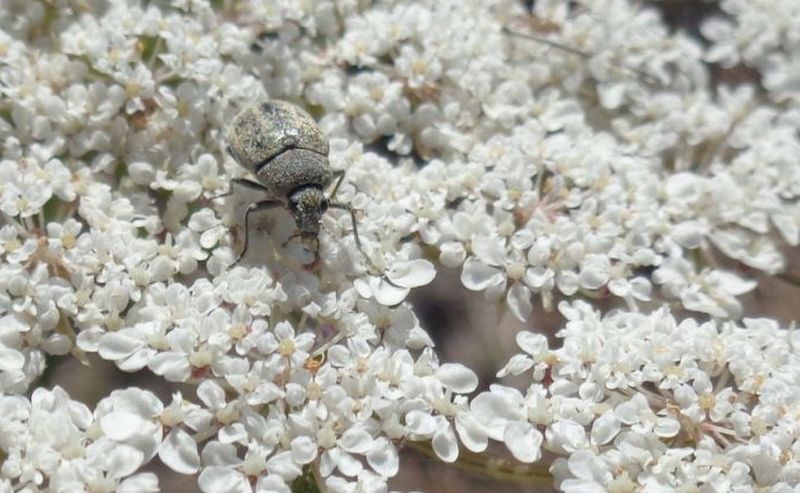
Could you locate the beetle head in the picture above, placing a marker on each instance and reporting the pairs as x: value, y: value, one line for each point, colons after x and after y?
x: 307, y: 205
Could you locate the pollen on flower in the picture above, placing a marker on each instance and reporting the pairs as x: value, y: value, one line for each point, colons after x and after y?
x: 286, y: 347
x: 133, y: 89
x: 314, y: 390
x: 172, y: 416
x: 11, y: 245
x: 326, y: 437
x: 515, y: 270
x: 237, y: 331
x: 68, y: 240
x: 253, y: 465
x: 201, y: 358
x: 158, y: 341
x: 707, y: 401
x: 167, y: 250
x: 211, y: 182
x: 376, y: 93
x: 114, y: 322
x: 227, y: 415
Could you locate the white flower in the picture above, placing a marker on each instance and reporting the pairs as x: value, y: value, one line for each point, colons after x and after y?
x: 504, y: 413
x: 393, y: 286
x: 492, y: 267
x: 418, y: 69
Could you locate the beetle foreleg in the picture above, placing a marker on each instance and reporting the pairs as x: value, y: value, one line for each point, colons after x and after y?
x: 339, y: 205
x: 255, y: 206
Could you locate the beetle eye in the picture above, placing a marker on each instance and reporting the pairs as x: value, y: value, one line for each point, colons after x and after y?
x: 324, y: 204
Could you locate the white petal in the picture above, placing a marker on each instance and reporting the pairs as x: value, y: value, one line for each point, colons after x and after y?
x: 173, y: 366
x: 444, y: 442
x: 123, y: 460
x: 145, y: 482
x: 363, y: 287
x: 220, y: 454
x: 477, y: 276
x: 523, y: 441
x: 88, y: 340
x: 666, y: 427
x: 356, y: 441
x: 523, y: 239
x: 117, y: 345
x: 537, y: 277
x: 388, y: 294
x: 217, y: 479
x: 731, y: 283
x: 233, y: 433
x: 452, y: 254
x: 179, y: 452
x: 327, y: 461
x: 567, y: 282
x: 611, y: 94
x: 519, y: 300
x: 605, y: 428
x: 641, y: 288
x: 457, y: 378
x: 137, y: 360
x: 412, y: 274
x: 472, y: 434
x: 11, y: 360
x: 567, y: 435
x: 121, y: 425
x: 347, y: 464
x: 272, y: 483
x: 494, y: 409
x: 517, y: 365
x: 203, y: 220
x: 787, y: 226
x: 420, y: 423
x: 284, y: 466
x: 383, y: 458
x: 532, y: 343
x: 489, y: 249
x: 304, y: 450
x: 594, y: 272
x: 139, y: 401
x: 585, y: 465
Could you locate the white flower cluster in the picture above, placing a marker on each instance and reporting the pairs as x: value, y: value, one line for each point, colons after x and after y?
x: 603, y: 170
x: 763, y: 35
x: 635, y: 402
x: 53, y: 443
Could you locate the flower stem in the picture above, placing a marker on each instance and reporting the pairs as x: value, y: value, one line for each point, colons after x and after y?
x: 505, y: 470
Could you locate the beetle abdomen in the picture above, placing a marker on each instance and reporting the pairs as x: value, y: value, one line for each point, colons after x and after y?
x: 294, y: 168
x: 262, y: 131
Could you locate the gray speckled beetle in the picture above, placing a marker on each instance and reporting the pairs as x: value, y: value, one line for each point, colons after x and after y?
x: 283, y: 146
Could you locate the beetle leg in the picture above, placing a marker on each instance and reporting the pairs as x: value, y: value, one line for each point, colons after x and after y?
x: 339, y: 205
x: 255, y: 206
x: 339, y: 176
x: 250, y: 184
x: 295, y: 235
x: 245, y: 183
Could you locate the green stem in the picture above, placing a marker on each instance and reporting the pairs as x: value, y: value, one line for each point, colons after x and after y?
x: 505, y: 470
x: 789, y: 278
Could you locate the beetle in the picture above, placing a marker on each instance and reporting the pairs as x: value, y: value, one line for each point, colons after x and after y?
x: 284, y: 148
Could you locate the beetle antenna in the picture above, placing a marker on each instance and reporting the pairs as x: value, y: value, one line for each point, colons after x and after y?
x: 648, y: 78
